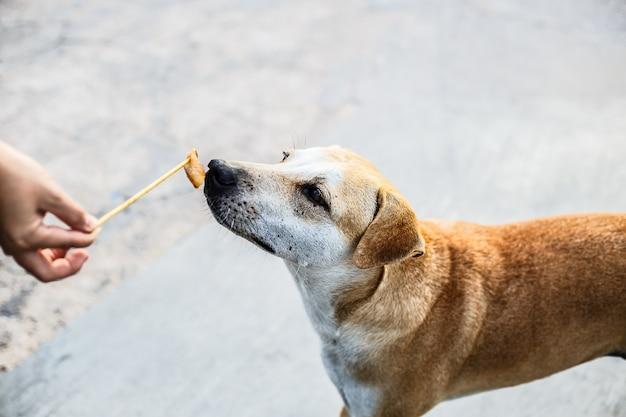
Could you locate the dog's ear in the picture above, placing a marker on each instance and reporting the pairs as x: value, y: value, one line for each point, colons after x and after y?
x: 393, y: 235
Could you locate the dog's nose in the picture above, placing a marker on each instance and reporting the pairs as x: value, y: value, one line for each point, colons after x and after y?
x: 221, y: 174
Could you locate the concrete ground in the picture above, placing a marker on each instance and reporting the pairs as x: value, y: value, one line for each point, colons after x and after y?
x: 483, y: 110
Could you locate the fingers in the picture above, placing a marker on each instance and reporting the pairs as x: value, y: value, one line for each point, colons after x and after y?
x: 45, y: 236
x: 66, y: 209
x: 56, y: 237
x: 49, y: 265
x: 52, y: 254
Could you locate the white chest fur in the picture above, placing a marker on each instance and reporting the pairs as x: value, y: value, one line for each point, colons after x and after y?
x: 360, y: 399
x: 341, y: 346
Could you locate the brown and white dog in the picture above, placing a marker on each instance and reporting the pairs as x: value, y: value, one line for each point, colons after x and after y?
x: 414, y: 312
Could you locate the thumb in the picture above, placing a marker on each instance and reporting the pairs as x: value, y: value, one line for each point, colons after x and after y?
x: 65, y: 208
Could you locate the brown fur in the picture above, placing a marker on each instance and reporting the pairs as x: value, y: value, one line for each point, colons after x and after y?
x: 394, y: 217
x: 486, y: 306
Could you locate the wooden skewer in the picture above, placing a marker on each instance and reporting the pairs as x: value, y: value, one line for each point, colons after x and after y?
x: 102, y: 220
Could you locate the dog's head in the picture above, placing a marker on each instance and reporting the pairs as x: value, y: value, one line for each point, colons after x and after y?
x: 318, y: 207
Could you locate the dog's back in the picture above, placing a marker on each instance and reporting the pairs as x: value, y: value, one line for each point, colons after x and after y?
x: 556, y: 295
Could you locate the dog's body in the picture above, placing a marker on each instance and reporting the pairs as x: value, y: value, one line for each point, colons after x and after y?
x: 411, y: 313
x: 485, y: 307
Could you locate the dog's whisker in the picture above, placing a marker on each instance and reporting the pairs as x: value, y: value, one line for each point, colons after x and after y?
x: 221, y: 219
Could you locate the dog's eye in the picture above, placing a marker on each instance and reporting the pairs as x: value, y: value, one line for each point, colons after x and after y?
x: 314, y: 194
x: 285, y: 156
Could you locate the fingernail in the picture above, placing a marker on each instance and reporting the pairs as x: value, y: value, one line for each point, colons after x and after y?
x: 91, y: 222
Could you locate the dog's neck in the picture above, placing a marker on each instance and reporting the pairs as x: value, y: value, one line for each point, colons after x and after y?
x: 336, y: 295
x: 322, y: 289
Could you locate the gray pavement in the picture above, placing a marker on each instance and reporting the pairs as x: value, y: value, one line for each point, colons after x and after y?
x: 481, y: 110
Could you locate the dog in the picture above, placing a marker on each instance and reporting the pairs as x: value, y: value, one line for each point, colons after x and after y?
x: 411, y: 312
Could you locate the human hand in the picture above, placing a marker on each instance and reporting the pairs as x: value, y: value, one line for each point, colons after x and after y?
x: 27, y: 193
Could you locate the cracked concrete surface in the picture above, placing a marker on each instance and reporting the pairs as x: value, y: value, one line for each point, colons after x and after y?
x: 484, y: 110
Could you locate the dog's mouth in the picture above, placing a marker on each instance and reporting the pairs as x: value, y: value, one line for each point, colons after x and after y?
x: 261, y: 244
x: 232, y: 220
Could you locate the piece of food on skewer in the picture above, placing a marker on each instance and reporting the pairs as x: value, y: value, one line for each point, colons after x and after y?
x: 194, y: 169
